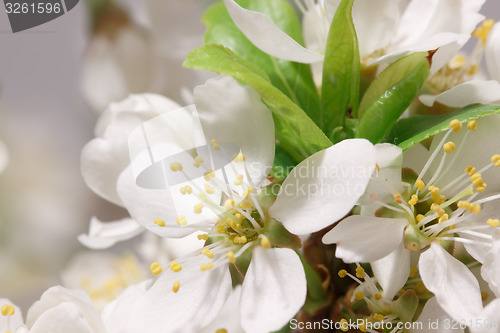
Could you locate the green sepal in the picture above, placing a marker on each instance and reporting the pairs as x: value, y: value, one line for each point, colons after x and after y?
x: 390, y: 95
x: 293, y: 79
x: 406, y: 305
x: 409, y: 131
x: 341, y: 70
x: 297, y: 133
x: 279, y: 236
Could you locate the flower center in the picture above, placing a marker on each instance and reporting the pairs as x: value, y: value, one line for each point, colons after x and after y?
x: 434, y: 216
x: 461, y: 68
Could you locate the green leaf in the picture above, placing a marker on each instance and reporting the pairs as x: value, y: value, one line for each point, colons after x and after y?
x: 409, y: 131
x: 297, y: 134
x: 341, y: 70
x: 283, y: 164
x: 293, y: 79
x: 316, y: 296
x: 390, y: 94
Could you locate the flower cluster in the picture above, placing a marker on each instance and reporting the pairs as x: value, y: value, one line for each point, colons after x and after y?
x: 345, y: 168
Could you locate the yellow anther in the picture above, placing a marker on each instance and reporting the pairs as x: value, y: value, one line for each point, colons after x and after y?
x: 186, y: 190
x: 419, y: 217
x: 209, y: 189
x: 397, y: 198
x: 377, y: 296
x: 481, y: 189
x: 228, y: 204
x: 362, y: 327
x: 209, y: 174
x: 455, y: 125
x: 239, y: 179
x: 208, y: 253
x: 265, y: 243
x: 231, y: 257
x: 197, y: 209
x: 239, y: 216
x: 247, y: 191
x: 156, y: 268
x: 215, y: 144
x: 378, y: 316
x: 220, y: 228
x: 413, y: 201
x: 342, y: 273
x: 159, y: 221
x: 206, y: 267
x: 240, y: 240
x: 203, y: 237
x: 457, y: 62
x: 433, y: 188
x: 175, y: 266
x: 221, y: 330
x: 483, y: 31
x: 344, y: 325
x: 420, y: 184
x: 443, y: 218
x: 359, y: 295
x: 245, y: 205
x: 239, y: 157
x: 471, y: 170
x: 472, y: 125
x: 175, y: 166
x: 495, y: 159
x: 449, y: 147
x: 5, y: 310
x: 176, y: 286
x: 413, y: 271
x: 476, y: 209
x: 484, y: 296
x: 197, y: 161
x: 493, y: 223
x: 360, y: 272
x: 181, y: 220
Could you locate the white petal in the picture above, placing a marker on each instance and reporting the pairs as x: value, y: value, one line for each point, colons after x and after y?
x: 366, y: 239
x: 230, y: 112
x: 324, y: 187
x: 392, y: 271
x: 489, y: 320
x: 433, y: 319
x: 490, y: 271
x: 4, y: 157
x: 255, y: 25
x: 456, y: 288
x: 423, y: 20
x: 145, y: 205
x: 273, y: 291
x: 104, y: 158
x: 10, y: 323
x: 470, y: 92
x: 106, y: 234
x: 375, y: 23
x: 228, y: 318
x: 81, y: 307
x: 492, y: 52
x: 199, y: 299
x: 389, y: 162
x: 63, y: 318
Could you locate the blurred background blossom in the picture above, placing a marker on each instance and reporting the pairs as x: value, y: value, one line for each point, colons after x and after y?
x: 54, y: 81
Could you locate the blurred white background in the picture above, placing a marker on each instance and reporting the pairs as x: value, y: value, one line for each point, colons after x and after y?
x: 45, y: 121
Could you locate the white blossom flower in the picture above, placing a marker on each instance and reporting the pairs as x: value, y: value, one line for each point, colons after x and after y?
x: 131, y: 53
x: 104, y: 158
x: 320, y: 190
x: 461, y: 82
x: 386, y: 29
x: 441, y: 205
